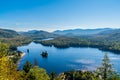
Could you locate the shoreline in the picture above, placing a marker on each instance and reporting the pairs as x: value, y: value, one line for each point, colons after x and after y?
x: 63, y: 47
x: 22, y: 55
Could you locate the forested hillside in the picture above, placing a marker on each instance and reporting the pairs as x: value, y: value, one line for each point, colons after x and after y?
x: 5, y: 33
x: 65, y: 42
x: 13, y: 38
x: 109, y: 35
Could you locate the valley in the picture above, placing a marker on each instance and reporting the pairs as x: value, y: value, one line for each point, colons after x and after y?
x: 61, y: 51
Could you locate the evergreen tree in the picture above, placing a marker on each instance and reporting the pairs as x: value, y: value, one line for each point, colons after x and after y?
x: 52, y: 76
x: 27, y: 67
x: 105, y: 71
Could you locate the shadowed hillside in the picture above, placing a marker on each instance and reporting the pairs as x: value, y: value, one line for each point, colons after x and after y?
x: 5, y: 33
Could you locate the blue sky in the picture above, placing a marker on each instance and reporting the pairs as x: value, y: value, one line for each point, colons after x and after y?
x: 49, y: 15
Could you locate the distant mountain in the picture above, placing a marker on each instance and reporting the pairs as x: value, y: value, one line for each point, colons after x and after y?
x: 6, y: 33
x: 113, y: 34
x: 78, y: 32
x: 111, y: 31
x: 38, y: 34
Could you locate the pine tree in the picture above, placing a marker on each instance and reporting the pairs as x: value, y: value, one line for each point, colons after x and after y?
x: 27, y: 67
x: 52, y: 76
x: 105, y: 71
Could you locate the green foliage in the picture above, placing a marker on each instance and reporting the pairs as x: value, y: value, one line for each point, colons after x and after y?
x: 79, y: 75
x: 3, y: 50
x: 14, y: 42
x: 105, y: 71
x: 6, y: 51
x: 8, y: 70
x: 114, y: 77
x: 36, y: 73
x: 52, y: 76
x: 44, y: 54
x: 65, y: 42
x: 27, y: 67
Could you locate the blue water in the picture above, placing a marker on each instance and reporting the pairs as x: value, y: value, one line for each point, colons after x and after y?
x: 60, y: 60
x: 47, y: 39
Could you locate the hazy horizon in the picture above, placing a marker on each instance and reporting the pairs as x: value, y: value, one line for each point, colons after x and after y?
x: 57, y: 29
x: 51, y: 15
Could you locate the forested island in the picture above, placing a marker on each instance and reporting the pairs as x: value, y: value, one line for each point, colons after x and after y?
x: 44, y: 54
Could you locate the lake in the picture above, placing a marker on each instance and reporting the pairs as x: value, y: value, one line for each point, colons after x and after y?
x: 60, y: 60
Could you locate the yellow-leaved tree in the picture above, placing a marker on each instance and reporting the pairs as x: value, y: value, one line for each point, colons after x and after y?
x: 8, y: 70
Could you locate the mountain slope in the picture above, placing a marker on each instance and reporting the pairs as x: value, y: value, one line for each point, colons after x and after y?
x: 6, y: 33
x: 110, y: 34
x: 36, y: 34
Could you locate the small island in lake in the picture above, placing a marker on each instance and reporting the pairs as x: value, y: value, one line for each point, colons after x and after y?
x: 44, y: 54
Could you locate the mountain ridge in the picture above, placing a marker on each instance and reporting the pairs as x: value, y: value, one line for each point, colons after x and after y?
x: 38, y: 34
x: 7, y: 33
x: 81, y: 31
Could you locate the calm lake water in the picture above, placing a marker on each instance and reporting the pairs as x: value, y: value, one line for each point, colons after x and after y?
x: 60, y: 60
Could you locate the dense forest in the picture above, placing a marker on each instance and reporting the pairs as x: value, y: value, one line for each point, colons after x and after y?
x: 13, y: 38
x: 65, y: 42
